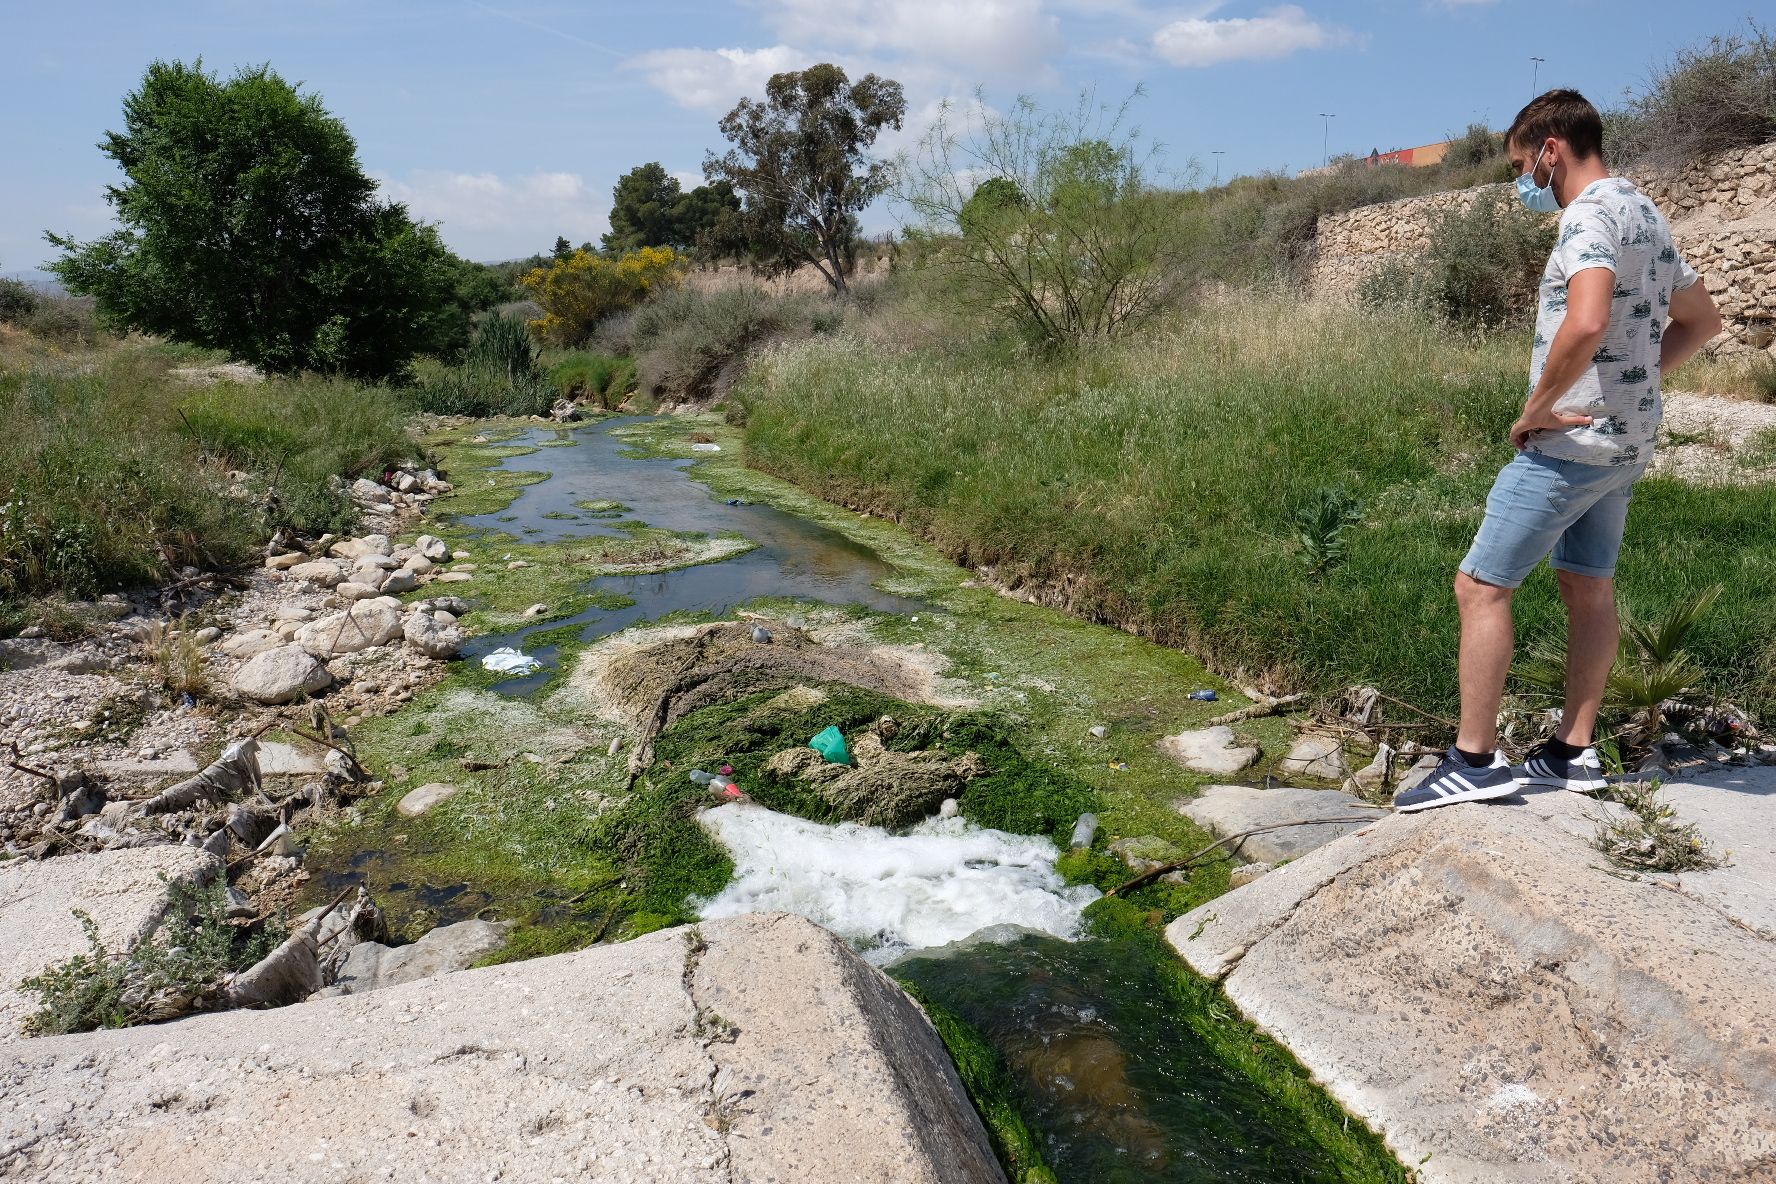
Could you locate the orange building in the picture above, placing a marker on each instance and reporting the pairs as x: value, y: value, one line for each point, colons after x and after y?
x: 1421, y: 157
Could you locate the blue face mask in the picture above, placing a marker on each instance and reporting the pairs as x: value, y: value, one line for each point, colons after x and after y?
x: 1539, y: 198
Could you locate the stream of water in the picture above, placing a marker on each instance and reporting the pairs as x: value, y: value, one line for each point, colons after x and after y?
x: 1117, y: 1086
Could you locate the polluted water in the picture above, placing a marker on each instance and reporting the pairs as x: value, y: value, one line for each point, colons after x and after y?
x: 889, y: 894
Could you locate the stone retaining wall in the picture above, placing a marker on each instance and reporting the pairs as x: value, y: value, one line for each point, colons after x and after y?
x: 1723, y: 214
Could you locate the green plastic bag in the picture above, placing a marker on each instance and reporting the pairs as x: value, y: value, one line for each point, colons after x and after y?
x: 831, y: 745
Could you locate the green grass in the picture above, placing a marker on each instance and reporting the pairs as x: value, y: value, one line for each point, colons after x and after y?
x: 112, y: 474
x: 1163, y: 477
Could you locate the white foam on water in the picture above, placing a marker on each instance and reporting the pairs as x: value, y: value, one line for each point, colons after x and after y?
x: 888, y: 894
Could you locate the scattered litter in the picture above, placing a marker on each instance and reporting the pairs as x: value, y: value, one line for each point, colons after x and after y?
x: 699, y: 777
x: 616, y: 746
x: 507, y: 660
x: 1099, y: 731
x: 1119, y: 766
x: 735, y: 501
x: 727, y: 770
x: 830, y: 743
x: 915, y: 619
x: 1084, y: 830
x: 706, y: 448
x: 1204, y: 696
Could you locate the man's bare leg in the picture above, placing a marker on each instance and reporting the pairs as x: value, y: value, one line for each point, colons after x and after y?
x: 1593, y: 634
x: 1488, y: 637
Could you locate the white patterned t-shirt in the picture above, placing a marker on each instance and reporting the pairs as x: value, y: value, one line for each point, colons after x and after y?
x: 1611, y: 224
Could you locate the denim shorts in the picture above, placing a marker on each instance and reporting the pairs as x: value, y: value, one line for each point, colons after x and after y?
x: 1541, y: 504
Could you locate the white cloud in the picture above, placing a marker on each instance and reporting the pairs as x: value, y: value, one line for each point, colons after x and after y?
x: 485, y: 216
x: 1276, y: 33
x: 715, y: 79
x: 983, y: 37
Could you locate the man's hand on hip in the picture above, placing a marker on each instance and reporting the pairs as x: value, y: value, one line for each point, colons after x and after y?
x: 1532, y: 422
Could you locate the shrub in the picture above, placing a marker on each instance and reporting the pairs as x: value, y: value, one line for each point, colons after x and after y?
x: 1476, y: 146
x: 1066, y: 241
x: 578, y: 292
x: 604, y: 379
x: 1710, y: 98
x: 690, y: 344
x: 1481, y: 269
x: 498, y: 376
x: 17, y: 302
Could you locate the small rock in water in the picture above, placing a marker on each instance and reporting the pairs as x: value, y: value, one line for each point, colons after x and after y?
x: 536, y: 610
x: 949, y: 809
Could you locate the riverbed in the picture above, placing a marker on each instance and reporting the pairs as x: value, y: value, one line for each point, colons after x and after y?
x: 1114, y: 1081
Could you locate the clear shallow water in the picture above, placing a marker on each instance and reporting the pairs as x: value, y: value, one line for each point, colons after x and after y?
x: 1114, y: 1084
x: 792, y: 557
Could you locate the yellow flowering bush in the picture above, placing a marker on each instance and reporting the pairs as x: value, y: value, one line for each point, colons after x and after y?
x: 581, y: 290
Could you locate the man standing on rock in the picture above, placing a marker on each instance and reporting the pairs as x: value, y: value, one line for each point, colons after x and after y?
x: 1584, y: 438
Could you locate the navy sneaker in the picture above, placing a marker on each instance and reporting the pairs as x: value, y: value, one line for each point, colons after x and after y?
x: 1455, y: 780
x: 1581, y: 774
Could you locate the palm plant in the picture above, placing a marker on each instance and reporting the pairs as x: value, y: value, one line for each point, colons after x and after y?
x: 1652, y: 669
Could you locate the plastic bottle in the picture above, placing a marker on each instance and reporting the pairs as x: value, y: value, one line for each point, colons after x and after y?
x: 1084, y: 830
x: 699, y: 777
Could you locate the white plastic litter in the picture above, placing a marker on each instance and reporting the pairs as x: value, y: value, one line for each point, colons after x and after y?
x: 706, y: 448
x: 507, y: 660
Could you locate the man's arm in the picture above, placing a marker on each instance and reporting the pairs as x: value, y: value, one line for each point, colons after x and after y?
x: 1694, y: 322
x: 1588, y: 297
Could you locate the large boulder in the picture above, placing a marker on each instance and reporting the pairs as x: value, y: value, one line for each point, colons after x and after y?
x: 1476, y: 986
x: 1210, y: 750
x: 251, y: 642
x: 1228, y: 810
x: 124, y: 892
x: 372, y: 966
x: 363, y: 626
x: 753, y: 1049
x: 432, y: 547
x: 432, y: 637
x: 281, y: 675
x: 323, y: 573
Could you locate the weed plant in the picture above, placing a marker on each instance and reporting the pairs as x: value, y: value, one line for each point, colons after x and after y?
x: 112, y: 474
x: 1161, y: 476
x: 182, y: 962
x: 1651, y: 838
x: 499, y: 375
x: 603, y: 379
x: 692, y: 344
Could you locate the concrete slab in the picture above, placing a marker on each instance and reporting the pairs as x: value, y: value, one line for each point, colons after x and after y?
x: 1235, y: 809
x: 1736, y: 809
x: 1476, y: 984
x: 123, y: 892
x: 750, y: 1050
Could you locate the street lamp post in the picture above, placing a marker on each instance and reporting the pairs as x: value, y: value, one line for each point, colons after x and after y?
x: 1326, y: 145
x: 1217, y: 153
x: 1535, y: 76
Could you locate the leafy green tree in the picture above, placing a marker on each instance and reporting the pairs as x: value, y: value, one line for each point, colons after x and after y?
x: 649, y: 208
x: 709, y: 218
x: 642, y: 210
x: 992, y: 201
x: 800, y: 163
x: 249, y: 226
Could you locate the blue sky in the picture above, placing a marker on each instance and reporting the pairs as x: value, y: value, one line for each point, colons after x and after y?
x: 508, y: 121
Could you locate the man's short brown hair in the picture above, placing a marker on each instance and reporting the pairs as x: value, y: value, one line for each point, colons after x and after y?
x: 1563, y: 114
